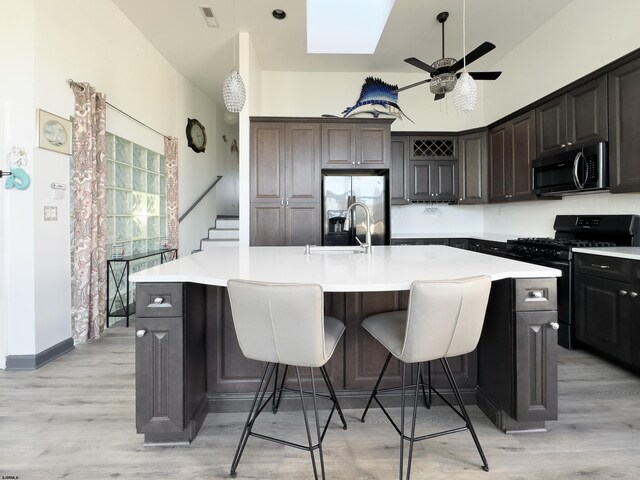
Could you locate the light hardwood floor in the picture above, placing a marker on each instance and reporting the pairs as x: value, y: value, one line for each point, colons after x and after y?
x: 75, y: 419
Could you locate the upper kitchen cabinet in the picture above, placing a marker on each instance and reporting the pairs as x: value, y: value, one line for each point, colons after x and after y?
x: 285, y: 183
x: 511, y: 149
x: 624, y: 128
x: 356, y: 144
x: 398, y: 193
x: 474, y: 168
x: 432, y: 172
x: 577, y: 116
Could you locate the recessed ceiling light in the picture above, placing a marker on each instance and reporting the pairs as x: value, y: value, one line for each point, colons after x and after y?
x: 209, y: 17
x: 279, y: 14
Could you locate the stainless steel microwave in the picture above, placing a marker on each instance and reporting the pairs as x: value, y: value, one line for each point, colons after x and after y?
x: 578, y: 170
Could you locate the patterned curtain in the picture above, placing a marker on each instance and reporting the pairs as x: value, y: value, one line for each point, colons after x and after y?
x: 171, y: 172
x: 89, y: 208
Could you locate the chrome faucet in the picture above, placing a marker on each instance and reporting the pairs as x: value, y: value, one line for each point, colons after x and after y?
x: 367, y: 245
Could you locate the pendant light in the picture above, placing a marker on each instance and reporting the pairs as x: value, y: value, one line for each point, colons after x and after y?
x: 233, y: 91
x: 465, y: 92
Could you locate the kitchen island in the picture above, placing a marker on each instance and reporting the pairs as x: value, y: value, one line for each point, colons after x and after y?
x: 188, y: 361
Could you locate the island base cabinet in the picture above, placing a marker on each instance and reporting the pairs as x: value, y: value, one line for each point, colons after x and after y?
x: 170, y: 378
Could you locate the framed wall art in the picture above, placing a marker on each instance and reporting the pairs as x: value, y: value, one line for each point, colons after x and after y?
x: 54, y: 132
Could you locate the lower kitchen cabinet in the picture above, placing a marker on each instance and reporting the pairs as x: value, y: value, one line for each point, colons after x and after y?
x: 607, y: 306
x: 170, y: 379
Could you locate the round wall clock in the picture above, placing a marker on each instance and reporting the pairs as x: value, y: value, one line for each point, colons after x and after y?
x: 196, y: 136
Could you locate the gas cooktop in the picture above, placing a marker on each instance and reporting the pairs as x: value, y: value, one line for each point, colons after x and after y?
x: 546, y: 247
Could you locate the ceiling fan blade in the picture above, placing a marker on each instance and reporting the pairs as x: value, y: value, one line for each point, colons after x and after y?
x: 411, y: 86
x: 438, y: 96
x: 482, y: 75
x: 472, y: 56
x: 421, y: 65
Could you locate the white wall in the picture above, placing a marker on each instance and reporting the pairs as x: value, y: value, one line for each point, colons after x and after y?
x: 45, y: 43
x: 425, y: 220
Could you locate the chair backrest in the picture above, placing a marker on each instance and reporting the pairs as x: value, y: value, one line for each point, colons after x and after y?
x: 444, y: 318
x: 277, y: 322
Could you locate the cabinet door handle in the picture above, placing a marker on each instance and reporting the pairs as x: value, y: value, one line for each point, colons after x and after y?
x: 359, y: 163
x: 287, y: 202
x: 282, y: 202
x: 604, y: 267
x: 623, y: 292
x: 633, y: 294
x: 140, y: 333
x: 158, y: 300
x: 554, y: 325
x: 353, y: 163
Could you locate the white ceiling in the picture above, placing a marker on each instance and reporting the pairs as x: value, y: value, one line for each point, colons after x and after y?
x: 204, y: 55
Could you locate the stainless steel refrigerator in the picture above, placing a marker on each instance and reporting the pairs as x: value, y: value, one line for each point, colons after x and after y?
x: 340, y: 191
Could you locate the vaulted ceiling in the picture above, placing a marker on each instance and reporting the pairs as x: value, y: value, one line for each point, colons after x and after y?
x: 204, y: 55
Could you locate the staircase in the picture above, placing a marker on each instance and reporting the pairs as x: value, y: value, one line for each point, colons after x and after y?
x: 225, y: 233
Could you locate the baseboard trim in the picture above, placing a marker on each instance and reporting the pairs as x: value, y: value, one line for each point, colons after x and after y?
x: 32, y: 362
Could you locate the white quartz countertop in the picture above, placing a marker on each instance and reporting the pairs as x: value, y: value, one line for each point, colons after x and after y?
x: 493, y: 237
x: 632, y: 253
x: 388, y: 268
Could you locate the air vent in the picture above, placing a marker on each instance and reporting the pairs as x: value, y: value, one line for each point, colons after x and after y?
x: 209, y: 17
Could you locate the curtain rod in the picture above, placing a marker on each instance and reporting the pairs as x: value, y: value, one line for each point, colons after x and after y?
x: 72, y: 84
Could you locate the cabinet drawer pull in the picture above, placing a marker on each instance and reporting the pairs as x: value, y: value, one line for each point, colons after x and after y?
x: 555, y: 325
x: 140, y: 333
x: 604, y: 267
x: 633, y: 294
x: 158, y: 300
x: 623, y: 292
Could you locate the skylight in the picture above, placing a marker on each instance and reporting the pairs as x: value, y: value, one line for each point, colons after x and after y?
x: 346, y: 26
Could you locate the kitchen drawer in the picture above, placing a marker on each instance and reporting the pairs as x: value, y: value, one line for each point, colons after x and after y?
x: 604, y: 267
x: 159, y: 299
x: 534, y: 294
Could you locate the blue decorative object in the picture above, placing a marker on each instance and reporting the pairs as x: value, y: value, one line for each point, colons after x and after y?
x: 377, y: 97
x: 19, y: 179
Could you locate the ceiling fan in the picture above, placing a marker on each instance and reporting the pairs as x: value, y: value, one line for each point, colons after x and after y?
x: 444, y: 71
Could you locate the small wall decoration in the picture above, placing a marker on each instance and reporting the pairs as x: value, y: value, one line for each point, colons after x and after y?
x: 54, y: 132
x: 377, y: 97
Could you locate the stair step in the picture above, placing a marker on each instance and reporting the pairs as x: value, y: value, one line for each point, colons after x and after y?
x: 211, y: 243
x: 225, y: 233
x: 227, y: 222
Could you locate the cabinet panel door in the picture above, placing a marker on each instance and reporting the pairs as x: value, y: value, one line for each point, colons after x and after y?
x: 420, y: 179
x: 523, y: 152
x: 624, y: 128
x: 499, y: 163
x: 551, y: 120
x: 587, y: 112
x: 374, y: 146
x: 600, y: 316
x: 633, y: 317
x: 536, y: 367
x: 338, y: 146
x: 160, y: 375
x: 397, y: 172
x: 267, y: 224
x: 267, y: 161
x: 473, y: 168
x: 445, y: 181
x: 303, y: 224
x: 302, y: 157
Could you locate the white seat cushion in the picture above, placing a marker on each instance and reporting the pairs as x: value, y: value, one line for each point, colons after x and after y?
x: 333, y: 330
x: 389, y: 328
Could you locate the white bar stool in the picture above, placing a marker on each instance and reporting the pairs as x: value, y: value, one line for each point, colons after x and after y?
x: 285, y: 324
x: 443, y: 319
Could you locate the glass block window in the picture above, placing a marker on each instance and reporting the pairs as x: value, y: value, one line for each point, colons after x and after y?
x: 136, y: 201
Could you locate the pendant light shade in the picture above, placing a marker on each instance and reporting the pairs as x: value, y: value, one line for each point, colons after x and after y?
x: 465, y: 93
x: 233, y: 92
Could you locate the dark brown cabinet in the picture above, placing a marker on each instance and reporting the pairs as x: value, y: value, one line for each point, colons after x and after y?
x: 512, y: 148
x: 607, y: 299
x: 356, y: 144
x: 398, y: 192
x: 170, y: 380
x: 432, y: 180
x: 574, y: 117
x: 624, y: 128
x: 473, y: 168
x: 285, y: 183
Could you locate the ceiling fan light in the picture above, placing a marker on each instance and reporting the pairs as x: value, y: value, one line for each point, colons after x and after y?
x: 465, y: 93
x: 233, y: 92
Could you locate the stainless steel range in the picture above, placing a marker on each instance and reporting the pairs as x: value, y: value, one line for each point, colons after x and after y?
x: 574, y: 231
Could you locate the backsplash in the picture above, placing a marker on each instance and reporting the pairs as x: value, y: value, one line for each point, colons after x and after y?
x: 525, y: 219
x: 535, y: 218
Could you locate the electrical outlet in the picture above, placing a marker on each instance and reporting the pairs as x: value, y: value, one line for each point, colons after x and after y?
x: 50, y: 213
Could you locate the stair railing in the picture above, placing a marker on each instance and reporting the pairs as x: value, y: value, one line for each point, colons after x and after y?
x: 199, y: 199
